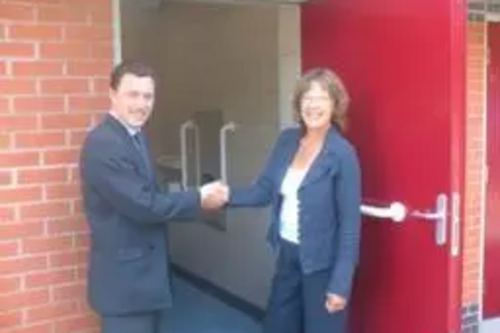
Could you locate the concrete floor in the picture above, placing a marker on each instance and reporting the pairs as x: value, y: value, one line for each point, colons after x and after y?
x: 197, y: 312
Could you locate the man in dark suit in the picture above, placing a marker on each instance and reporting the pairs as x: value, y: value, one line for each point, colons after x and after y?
x: 128, y: 278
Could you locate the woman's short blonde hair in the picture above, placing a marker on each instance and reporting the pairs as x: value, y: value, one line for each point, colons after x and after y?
x: 332, y: 83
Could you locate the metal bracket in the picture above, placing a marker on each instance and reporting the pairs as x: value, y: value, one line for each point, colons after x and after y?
x: 455, y: 225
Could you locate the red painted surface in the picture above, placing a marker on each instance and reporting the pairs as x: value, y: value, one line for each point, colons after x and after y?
x: 403, y: 63
x: 492, y: 240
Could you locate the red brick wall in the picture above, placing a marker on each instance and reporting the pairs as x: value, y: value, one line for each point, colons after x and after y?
x: 474, y: 205
x: 55, y: 56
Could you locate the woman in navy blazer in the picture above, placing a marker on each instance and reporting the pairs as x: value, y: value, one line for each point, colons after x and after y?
x: 312, y: 180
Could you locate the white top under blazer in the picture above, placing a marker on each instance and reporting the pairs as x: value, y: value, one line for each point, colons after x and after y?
x: 289, y: 215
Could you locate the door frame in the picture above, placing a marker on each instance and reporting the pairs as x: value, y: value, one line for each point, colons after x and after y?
x: 489, y: 19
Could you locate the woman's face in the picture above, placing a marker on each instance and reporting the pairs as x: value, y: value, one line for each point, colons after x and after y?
x: 316, y: 107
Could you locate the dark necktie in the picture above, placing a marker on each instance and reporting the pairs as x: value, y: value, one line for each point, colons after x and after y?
x: 140, y: 144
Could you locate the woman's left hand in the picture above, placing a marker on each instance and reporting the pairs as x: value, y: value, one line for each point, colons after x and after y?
x: 334, y: 303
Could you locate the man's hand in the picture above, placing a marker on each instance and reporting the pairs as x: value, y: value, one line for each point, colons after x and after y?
x: 214, y: 195
x: 334, y: 303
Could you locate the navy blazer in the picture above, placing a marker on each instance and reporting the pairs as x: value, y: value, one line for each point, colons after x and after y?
x: 128, y: 260
x: 329, y: 212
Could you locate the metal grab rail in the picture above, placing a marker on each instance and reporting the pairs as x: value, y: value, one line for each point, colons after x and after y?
x: 228, y: 127
x: 184, y: 152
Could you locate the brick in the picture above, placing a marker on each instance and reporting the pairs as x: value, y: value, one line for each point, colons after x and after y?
x: 65, y: 51
x: 78, y: 206
x: 28, y: 298
x: 39, y: 140
x: 101, y: 51
x: 37, y: 68
x: 84, y: 67
x: 16, y: 123
x: 22, y: 265
x: 6, y: 178
x: 17, y: 50
x: 39, y: 104
x: 65, y: 226
x: 76, y: 324
x: 67, y: 259
x: 51, y: 278
x: 64, y: 86
x: 45, y: 210
x: 10, y: 319
x: 21, y: 229
x: 69, y: 292
x: 88, y: 103
x: 43, y: 176
x: 65, y: 14
x: 66, y: 121
x: 5, y: 142
x: 3, y: 68
x: 47, y: 244
x: 82, y: 241
x: 88, y: 33
x: 35, y: 32
x: 16, y: 12
x: 5, y: 105
x: 9, y: 249
x: 51, y: 311
x: 20, y: 194
x: 100, y: 85
x: 38, y: 328
x: 19, y: 159
x: 6, y: 214
x: 10, y: 285
x: 3, y: 30
x: 62, y: 156
x: 82, y: 273
x: 77, y: 138
x: 66, y: 191
x: 17, y: 86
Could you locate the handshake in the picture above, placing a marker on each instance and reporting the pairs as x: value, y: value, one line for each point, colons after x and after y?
x: 214, y: 195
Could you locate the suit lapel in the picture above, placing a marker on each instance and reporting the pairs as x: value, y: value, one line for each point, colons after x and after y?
x: 323, y: 162
x: 320, y: 166
x: 289, y: 151
x: 130, y: 146
x: 151, y: 168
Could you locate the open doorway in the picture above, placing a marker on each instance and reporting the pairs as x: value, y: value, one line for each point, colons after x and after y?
x: 224, y: 83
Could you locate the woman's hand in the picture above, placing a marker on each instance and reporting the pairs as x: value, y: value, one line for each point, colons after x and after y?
x: 334, y: 303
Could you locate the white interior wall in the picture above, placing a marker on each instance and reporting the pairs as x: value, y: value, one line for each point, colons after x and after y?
x: 244, y: 61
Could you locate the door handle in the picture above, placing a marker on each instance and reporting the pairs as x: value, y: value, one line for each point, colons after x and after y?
x: 190, y: 124
x: 438, y: 216
x: 228, y: 127
x: 399, y: 212
x: 396, y: 211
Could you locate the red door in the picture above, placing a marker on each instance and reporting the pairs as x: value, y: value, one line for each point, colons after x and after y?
x: 492, y: 240
x: 403, y: 63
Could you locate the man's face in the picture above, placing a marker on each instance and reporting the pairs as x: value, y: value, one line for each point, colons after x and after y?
x: 133, y: 99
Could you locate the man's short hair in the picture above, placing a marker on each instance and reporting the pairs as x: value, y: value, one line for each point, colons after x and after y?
x: 129, y: 67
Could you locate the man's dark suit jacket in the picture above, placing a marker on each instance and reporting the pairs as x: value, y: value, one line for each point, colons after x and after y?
x: 127, y: 214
